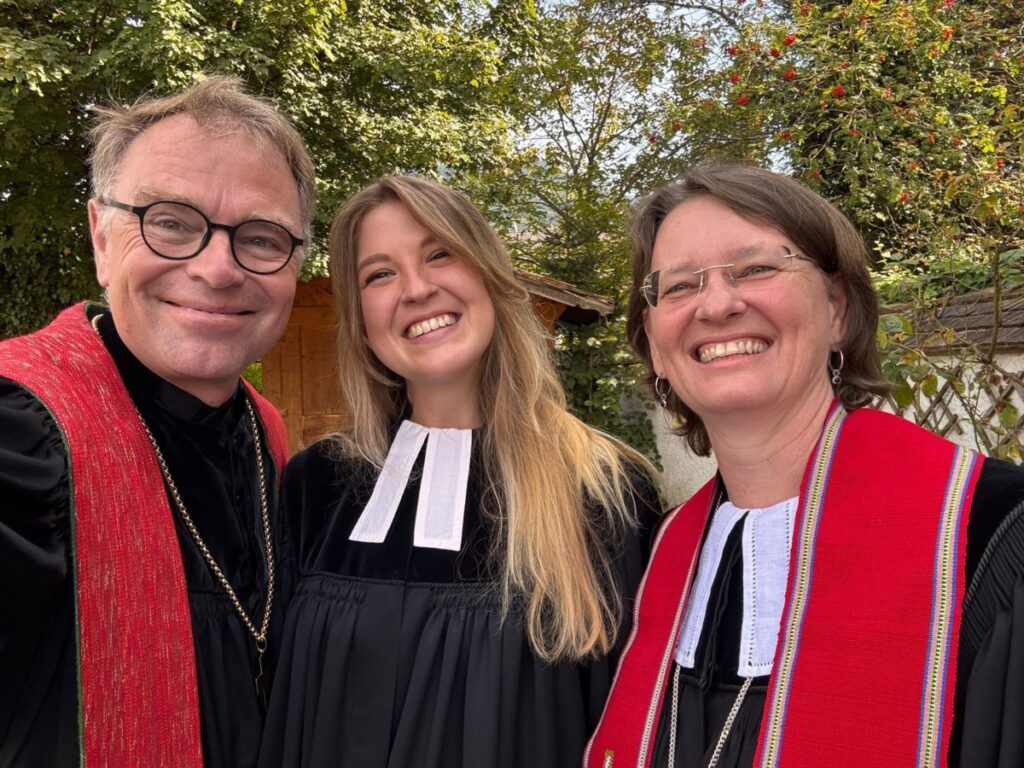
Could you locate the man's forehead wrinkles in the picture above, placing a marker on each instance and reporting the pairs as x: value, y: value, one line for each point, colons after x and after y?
x: 150, y: 194
x: 160, y: 164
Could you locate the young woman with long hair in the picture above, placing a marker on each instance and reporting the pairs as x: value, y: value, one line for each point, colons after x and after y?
x: 466, y: 548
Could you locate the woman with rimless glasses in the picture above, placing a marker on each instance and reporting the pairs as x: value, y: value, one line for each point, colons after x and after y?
x: 848, y: 590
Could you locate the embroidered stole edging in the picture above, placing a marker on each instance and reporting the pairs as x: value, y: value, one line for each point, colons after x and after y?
x: 627, y: 728
x: 138, y: 696
x: 864, y: 668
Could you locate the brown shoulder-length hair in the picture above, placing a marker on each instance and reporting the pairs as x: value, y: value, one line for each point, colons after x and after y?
x: 560, y: 491
x: 815, y: 226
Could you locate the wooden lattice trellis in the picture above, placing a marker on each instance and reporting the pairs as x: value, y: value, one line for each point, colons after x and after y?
x: 972, y: 406
x: 954, y: 356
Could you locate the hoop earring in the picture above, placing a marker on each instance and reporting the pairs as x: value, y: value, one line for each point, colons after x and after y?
x: 662, y: 396
x: 836, y: 370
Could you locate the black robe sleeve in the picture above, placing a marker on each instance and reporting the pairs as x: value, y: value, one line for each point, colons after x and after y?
x: 36, y: 603
x: 33, y: 511
x: 990, y: 678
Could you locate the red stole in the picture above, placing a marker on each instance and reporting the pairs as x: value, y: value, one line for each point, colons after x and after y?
x: 138, y: 697
x: 866, y: 658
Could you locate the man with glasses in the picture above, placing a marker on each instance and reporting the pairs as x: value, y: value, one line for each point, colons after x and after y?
x: 141, y: 566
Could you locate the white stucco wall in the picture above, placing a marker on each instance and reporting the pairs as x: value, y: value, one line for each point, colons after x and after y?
x: 683, y: 472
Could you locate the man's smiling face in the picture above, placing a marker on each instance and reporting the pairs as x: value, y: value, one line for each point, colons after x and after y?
x: 198, y: 322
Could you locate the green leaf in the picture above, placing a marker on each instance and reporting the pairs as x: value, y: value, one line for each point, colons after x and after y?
x: 1008, y: 416
x: 930, y: 385
x: 903, y: 395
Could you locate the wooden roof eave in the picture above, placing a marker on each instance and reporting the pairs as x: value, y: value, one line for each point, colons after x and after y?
x: 965, y: 321
x: 581, y: 307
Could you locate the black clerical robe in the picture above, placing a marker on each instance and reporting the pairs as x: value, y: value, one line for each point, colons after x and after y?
x: 990, y: 664
x: 213, y: 449
x: 398, y: 656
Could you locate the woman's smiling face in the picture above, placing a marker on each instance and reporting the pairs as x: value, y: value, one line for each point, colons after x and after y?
x: 743, y: 347
x: 426, y: 313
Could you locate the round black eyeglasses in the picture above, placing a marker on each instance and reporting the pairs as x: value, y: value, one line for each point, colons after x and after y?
x: 179, y: 231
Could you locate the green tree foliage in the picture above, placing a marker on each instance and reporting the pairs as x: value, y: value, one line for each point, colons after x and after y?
x: 594, y: 136
x: 373, y: 87
x: 908, y: 114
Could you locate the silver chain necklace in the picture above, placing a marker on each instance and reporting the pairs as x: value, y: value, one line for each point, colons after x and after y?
x: 259, y: 635
x: 730, y: 718
x: 726, y: 728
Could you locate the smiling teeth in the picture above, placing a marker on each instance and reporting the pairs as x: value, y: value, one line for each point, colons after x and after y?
x: 441, y: 321
x: 743, y: 347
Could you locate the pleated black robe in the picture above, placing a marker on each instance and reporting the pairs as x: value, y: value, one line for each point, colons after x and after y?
x: 399, y: 656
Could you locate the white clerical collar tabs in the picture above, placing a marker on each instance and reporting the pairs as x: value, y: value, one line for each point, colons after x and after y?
x: 442, y: 500
x: 766, y: 538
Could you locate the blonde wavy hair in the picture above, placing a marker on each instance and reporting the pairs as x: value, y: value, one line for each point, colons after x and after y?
x: 561, y: 489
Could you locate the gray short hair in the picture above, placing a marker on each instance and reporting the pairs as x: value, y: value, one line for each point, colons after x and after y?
x: 221, y: 107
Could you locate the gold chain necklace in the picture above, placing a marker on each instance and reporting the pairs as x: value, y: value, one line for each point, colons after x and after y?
x: 259, y: 635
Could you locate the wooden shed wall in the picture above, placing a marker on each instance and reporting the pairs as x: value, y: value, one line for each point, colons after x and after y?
x: 300, y: 374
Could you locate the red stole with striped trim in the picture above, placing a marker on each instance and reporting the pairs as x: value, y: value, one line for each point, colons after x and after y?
x: 138, y: 697
x: 865, y: 664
